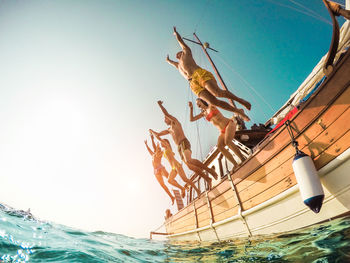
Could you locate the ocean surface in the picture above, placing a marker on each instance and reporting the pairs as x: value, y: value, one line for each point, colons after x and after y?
x: 25, y: 239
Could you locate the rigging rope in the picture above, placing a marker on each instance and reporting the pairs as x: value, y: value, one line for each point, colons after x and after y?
x: 308, y: 9
x: 245, y: 82
x: 318, y: 17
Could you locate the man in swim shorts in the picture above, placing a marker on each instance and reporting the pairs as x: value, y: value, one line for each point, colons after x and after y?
x: 202, y: 82
x: 184, y: 146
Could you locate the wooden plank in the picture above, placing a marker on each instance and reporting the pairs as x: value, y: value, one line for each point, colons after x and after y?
x: 301, y: 121
x: 182, y: 213
x: 341, y: 105
x: 276, y: 189
x: 332, y: 152
x: 228, y: 213
x: 325, y: 157
x: 227, y: 204
x: 183, y: 223
x: 219, y: 189
x: 203, y: 223
x: 326, y: 138
x: 225, y: 196
x: 202, y: 209
x: 203, y: 216
x: 200, y: 202
x: 266, y: 182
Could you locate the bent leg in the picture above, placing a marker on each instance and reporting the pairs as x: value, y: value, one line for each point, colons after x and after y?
x: 210, y: 99
x: 161, y: 182
x: 173, y: 182
x: 183, y: 176
x: 194, y: 162
x: 226, y: 153
x: 229, y: 135
x: 200, y: 173
x: 214, y: 89
x: 236, y: 150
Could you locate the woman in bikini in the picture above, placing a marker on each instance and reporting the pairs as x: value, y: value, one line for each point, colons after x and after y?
x: 176, y: 168
x: 227, y: 128
x: 159, y: 169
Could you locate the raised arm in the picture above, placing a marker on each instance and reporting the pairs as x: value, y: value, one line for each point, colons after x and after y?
x: 153, y: 144
x: 149, y: 150
x: 171, y: 62
x: 158, y: 134
x: 166, y: 113
x: 197, y: 117
x: 181, y: 41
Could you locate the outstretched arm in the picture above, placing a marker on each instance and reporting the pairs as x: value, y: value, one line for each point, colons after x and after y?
x: 181, y: 41
x: 149, y: 150
x: 171, y: 62
x: 194, y: 118
x: 153, y: 144
x: 166, y: 113
x: 158, y: 134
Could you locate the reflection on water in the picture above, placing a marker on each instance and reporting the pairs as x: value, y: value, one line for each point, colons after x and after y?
x: 25, y: 239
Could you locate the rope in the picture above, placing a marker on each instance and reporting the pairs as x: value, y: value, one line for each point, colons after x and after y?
x: 159, y: 227
x: 246, y: 83
x: 308, y: 9
x: 318, y: 17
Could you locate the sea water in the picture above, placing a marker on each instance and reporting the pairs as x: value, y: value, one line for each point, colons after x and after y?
x: 25, y: 239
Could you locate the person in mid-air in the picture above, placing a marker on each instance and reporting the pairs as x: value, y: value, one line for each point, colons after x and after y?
x: 184, y: 146
x: 202, y: 82
x: 226, y: 126
x: 176, y: 168
x: 159, y: 169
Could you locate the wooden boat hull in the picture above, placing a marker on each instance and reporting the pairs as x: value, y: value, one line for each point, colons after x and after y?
x: 266, y: 186
x: 285, y: 211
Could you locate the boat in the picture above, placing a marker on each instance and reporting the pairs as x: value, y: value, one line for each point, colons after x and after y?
x: 262, y: 196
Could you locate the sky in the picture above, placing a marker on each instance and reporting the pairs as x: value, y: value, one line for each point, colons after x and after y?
x: 79, y: 81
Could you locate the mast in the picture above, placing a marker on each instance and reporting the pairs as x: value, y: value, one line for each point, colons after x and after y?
x: 204, y: 48
x: 214, y: 67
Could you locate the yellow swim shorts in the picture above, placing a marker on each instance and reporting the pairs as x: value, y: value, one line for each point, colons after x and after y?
x: 198, y: 78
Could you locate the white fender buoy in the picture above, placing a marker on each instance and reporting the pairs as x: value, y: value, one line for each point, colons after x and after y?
x: 309, y: 183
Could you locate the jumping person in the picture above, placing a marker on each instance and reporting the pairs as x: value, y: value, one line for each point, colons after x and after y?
x: 202, y: 82
x: 184, y: 146
x: 227, y: 128
x: 159, y: 169
x: 338, y: 10
x: 176, y: 168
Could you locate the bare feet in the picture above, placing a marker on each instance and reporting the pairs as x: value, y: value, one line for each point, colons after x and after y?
x: 247, y: 105
x: 242, y: 114
x: 334, y: 7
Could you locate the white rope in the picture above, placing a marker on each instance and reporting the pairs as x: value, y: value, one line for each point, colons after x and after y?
x: 245, y: 82
x: 318, y: 17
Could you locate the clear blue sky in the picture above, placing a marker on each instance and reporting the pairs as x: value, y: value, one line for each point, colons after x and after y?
x: 79, y: 81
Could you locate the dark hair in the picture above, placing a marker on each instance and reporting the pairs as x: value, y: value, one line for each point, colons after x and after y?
x: 203, y: 101
x: 167, y: 141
